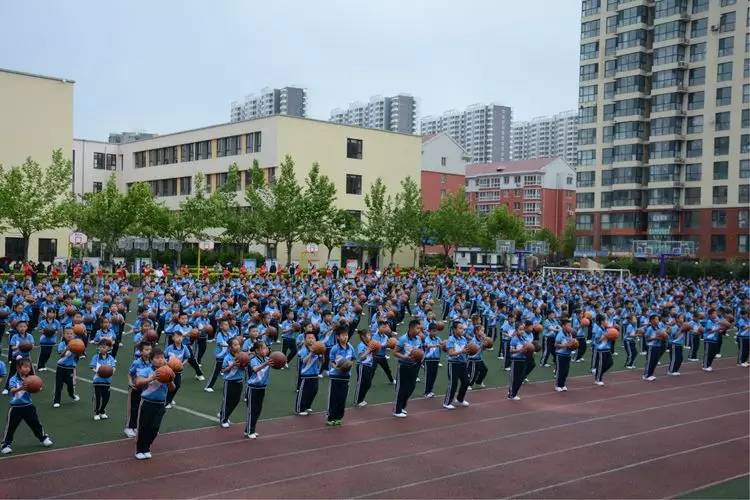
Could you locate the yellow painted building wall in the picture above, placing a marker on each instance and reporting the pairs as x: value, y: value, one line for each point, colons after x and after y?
x: 36, y: 117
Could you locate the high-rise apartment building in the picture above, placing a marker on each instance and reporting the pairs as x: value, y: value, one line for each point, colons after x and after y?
x: 546, y: 137
x: 664, y: 125
x: 483, y: 130
x: 290, y: 101
x: 396, y: 113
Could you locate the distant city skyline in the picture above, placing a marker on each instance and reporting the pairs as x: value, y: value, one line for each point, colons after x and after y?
x: 168, y: 76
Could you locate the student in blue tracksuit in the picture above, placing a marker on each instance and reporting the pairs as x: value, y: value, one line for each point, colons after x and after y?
x: 563, y: 352
x: 551, y: 329
x: 408, y: 370
x: 134, y: 391
x: 341, y: 359
x: 518, y: 358
x: 288, y: 334
x: 257, y: 380
x: 711, y: 340
x: 232, y: 374
x: 151, y: 410
x: 102, y: 384
x: 220, y: 352
x: 177, y: 349
x: 382, y: 334
x: 458, y: 380
x: 21, y: 408
x: 677, y: 339
x: 49, y: 327
x: 476, y: 368
x: 66, y: 366
x: 743, y: 338
x: 581, y: 333
x: 654, y: 344
x: 602, y: 348
x: 432, y: 347
x: 309, y: 369
x: 365, y: 368
x: 630, y: 342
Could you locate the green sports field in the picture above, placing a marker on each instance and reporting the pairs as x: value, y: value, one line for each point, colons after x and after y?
x: 72, y: 424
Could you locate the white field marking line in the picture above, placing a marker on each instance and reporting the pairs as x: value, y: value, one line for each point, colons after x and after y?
x: 448, y: 448
x: 624, y: 382
x: 313, y: 450
x: 709, y: 485
x: 307, y: 450
x: 634, y: 464
x: 123, y: 391
x: 237, y: 441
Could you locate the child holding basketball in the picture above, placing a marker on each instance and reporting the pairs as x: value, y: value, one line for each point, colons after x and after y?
x: 153, y: 395
x: 257, y: 380
x: 101, y: 383
x: 518, y: 358
x: 177, y: 349
x: 341, y: 360
x: 231, y: 372
x: 458, y: 381
x: 309, y: 369
x: 49, y: 327
x: 220, y: 352
x: 134, y: 392
x: 22, y: 409
x: 365, y: 368
x: 66, y: 367
x: 431, y: 347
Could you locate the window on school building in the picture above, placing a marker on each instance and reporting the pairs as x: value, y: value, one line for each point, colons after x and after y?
x: 356, y: 215
x: 743, y: 218
x: 97, y: 188
x: 186, y: 185
x: 353, y: 184
x: 228, y: 146
x: 271, y: 176
x: 47, y: 249
x: 718, y: 243
x: 354, y: 148
x: 443, y: 161
x: 14, y: 248
x: 99, y: 161
x: 252, y: 142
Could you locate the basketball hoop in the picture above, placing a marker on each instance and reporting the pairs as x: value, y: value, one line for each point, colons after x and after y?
x: 78, y: 239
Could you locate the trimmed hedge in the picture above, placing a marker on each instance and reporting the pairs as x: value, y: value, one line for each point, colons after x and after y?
x: 686, y: 268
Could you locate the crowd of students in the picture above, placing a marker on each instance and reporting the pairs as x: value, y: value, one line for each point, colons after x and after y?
x: 452, y: 321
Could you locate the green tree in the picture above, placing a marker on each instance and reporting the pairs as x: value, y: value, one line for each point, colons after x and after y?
x: 288, y: 221
x: 501, y: 224
x: 338, y: 229
x: 568, y: 242
x: 395, y: 231
x: 374, y: 227
x: 454, y: 223
x: 410, y: 215
x: 32, y: 198
x: 150, y: 220
x: 320, y: 209
x: 244, y: 224
x: 552, y: 241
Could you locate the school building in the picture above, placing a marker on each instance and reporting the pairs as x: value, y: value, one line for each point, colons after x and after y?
x: 36, y: 117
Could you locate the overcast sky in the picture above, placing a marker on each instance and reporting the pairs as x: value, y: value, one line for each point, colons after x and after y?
x: 164, y: 66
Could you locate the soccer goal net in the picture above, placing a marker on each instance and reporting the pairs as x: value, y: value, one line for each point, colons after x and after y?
x: 620, y: 273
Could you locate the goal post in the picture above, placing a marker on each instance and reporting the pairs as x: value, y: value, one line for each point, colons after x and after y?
x: 622, y: 273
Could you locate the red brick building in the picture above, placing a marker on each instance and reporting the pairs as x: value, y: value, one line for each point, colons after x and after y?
x: 443, y: 167
x: 541, y: 191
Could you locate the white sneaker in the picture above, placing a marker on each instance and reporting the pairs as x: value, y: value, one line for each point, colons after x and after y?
x: 482, y: 386
x: 208, y: 389
x: 56, y: 405
x: 42, y: 369
x: 200, y: 378
x: 76, y: 398
x: 129, y: 432
x: 362, y: 404
x: 169, y: 406
x: 651, y: 378
x: 465, y: 403
x: 225, y: 425
x: 718, y: 355
x: 140, y: 456
x: 303, y: 414
x: 507, y: 369
x: 615, y: 353
x: 47, y: 442
x: 440, y: 365
x: 97, y: 417
x: 516, y: 398
x: 320, y: 375
x: 546, y: 365
x: 565, y: 388
x: 5, y: 393
x: 599, y: 382
x: 254, y: 435
x: 394, y: 382
x: 147, y: 454
x: 469, y: 388
x: 449, y: 407
x: 404, y: 412
x: 673, y: 374
x: 558, y: 389
x: 174, y: 402
x: 6, y: 450
x: 745, y: 364
x: 593, y: 370
x: 400, y: 415
x: 429, y: 395
x: 708, y: 369
x: 103, y: 416
x: 418, y: 379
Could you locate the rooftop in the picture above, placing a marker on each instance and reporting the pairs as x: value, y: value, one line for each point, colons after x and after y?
x: 508, y: 167
x: 34, y: 75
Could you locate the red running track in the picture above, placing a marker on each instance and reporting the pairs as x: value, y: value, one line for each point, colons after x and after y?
x: 628, y: 439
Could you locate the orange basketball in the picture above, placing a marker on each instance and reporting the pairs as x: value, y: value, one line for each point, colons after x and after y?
x: 209, y: 330
x: 175, y: 364
x: 392, y: 342
x: 150, y: 336
x: 440, y: 326
x: 611, y: 334
x: 391, y: 314
x: 472, y: 349
x: 76, y: 346
x: 585, y: 322
x: 573, y: 344
x: 416, y: 355
x: 537, y: 328
x: 318, y: 347
x: 193, y: 334
x: 444, y: 345
x: 487, y: 343
x: 271, y: 332
x: 79, y: 329
x: 277, y: 360
x: 105, y: 371
x: 242, y: 359
x: 374, y: 345
x: 686, y: 327
x: 33, y: 384
x: 164, y: 374
x: 25, y: 346
x: 357, y: 308
x: 346, y: 365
